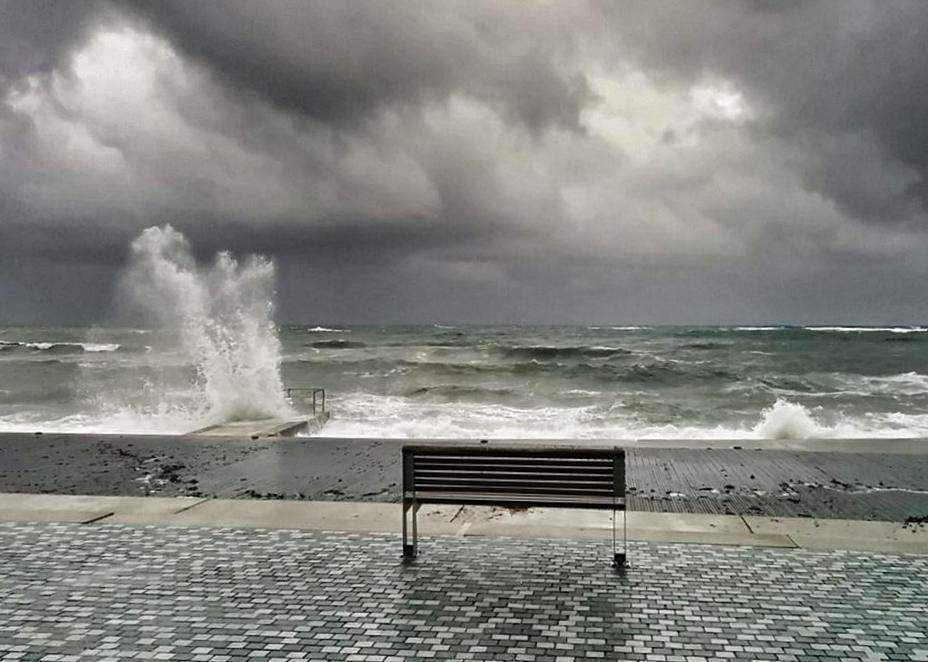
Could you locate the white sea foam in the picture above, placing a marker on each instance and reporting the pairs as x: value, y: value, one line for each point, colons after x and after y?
x: 325, y: 329
x: 760, y: 328
x: 867, y: 329
x: 369, y: 415
x: 907, y: 383
x: 75, y: 346
x: 99, y: 347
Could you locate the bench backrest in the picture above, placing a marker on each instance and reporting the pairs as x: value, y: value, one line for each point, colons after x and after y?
x: 507, y: 475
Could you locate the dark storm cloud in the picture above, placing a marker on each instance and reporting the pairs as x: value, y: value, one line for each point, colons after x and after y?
x: 699, y: 161
x: 338, y: 62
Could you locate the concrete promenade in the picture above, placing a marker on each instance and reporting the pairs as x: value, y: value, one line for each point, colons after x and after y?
x: 115, y: 592
x: 758, y: 531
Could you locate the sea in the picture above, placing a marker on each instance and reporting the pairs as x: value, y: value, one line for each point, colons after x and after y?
x: 447, y: 381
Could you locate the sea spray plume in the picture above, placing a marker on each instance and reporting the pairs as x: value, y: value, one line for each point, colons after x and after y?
x: 788, y: 420
x: 222, y: 315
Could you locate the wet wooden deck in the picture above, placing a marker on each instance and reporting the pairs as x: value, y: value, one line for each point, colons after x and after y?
x: 838, y: 485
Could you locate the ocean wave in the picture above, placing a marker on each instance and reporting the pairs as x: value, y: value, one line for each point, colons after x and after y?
x: 58, y: 347
x: 552, y: 352
x: 656, y: 371
x: 906, y: 383
x: 835, y: 385
x: 704, y: 345
x: 453, y: 341
x: 867, y: 329
x: 676, y: 370
x: 456, y: 392
x: 338, y: 344
x: 325, y: 329
x: 617, y: 328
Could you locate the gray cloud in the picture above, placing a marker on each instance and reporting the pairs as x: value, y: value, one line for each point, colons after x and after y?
x: 38, y: 37
x: 845, y: 80
x: 475, y: 161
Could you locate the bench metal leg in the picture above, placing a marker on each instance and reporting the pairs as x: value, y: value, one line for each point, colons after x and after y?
x: 620, y: 559
x: 410, y: 550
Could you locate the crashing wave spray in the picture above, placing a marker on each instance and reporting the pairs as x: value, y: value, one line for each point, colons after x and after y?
x: 222, y: 316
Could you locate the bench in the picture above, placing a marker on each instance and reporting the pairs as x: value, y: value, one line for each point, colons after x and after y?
x: 513, y: 477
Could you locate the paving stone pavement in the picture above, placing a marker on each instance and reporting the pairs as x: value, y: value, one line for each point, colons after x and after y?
x: 70, y: 592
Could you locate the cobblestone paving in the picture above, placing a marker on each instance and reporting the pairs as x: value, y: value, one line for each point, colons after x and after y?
x: 70, y: 592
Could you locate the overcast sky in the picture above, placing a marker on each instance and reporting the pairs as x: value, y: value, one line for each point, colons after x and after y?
x: 679, y: 162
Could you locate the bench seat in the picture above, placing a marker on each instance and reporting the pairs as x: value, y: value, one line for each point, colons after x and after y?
x: 513, y: 477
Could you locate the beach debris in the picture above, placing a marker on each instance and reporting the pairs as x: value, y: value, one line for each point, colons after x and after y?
x: 915, y: 521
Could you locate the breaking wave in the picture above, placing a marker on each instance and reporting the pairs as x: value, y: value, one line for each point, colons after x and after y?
x: 222, y: 360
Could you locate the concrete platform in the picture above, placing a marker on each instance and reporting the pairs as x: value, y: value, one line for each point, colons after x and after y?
x: 267, y: 427
x: 469, y: 522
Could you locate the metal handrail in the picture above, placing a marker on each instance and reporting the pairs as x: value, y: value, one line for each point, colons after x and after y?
x: 315, y: 395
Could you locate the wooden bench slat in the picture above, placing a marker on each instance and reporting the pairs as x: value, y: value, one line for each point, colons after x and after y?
x: 516, y: 457
x: 512, y: 466
x: 450, y: 460
x: 535, y: 452
x: 424, y: 490
x: 494, y: 483
x: 513, y: 475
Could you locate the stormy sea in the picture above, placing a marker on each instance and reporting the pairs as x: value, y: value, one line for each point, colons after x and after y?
x: 460, y: 381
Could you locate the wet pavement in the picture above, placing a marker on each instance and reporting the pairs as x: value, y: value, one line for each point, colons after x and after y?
x: 70, y: 592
